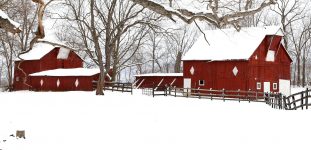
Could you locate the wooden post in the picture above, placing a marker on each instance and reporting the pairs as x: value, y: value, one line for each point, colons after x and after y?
x: 187, y: 92
x: 301, y: 101
x: 20, y: 134
x: 122, y: 88
x: 307, y: 95
x: 239, y: 95
x: 284, y: 103
x: 153, y: 92
x: 294, y: 103
x: 223, y: 94
x: 249, y: 100
x: 175, y: 91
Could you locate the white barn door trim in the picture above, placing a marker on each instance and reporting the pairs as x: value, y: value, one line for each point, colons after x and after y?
x: 187, y: 84
x: 266, y: 87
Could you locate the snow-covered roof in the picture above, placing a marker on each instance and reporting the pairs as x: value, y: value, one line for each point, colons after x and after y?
x: 5, y: 16
x: 67, y: 72
x: 229, y: 44
x: 160, y: 75
x: 38, y: 51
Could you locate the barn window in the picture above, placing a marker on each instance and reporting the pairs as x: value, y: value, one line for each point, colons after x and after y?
x: 270, y: 56
x: 192, y: 70
x: 57, y: 82
x: 275, y: 86
x: 77, y: 83
x: 41, y: 82
x: 258, y: 85
x: 201, y: 82
x: 17, y: 79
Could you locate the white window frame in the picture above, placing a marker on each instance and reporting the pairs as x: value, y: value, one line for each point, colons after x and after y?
x: 258, y: 86
x: 275, y: 86
x: 200, y: 83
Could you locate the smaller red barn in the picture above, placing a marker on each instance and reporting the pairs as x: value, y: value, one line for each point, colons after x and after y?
x: 159, y: 79
x: 50, y: 68
x: 76, y: 79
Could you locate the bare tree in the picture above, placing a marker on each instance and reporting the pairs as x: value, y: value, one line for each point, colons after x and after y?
x: 301, y: 41
x: 216, y: 13
x: 179, y: 42
x: 289, y: 12
x: 12, y: 45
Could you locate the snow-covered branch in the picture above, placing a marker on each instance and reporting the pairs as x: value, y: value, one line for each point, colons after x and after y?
x: 210, y: 15
x: 7, y: 24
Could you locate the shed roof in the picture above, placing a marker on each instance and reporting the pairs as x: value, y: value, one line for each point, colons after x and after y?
x: 160, y: 75
x: 229, y: 44
x: 67, y: 72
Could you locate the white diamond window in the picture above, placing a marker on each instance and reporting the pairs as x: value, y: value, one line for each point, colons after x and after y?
x: 41, y: 82
x: 192, y: 70
x: 58, y: 83
x: 235, y: 71
x: 77, y: 83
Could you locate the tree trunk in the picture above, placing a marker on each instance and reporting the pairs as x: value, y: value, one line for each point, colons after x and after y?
x: 178, y: 62
x: 304, y: 69
x: 101, y: 80
x: 298, y: 72
x: 153, y: 58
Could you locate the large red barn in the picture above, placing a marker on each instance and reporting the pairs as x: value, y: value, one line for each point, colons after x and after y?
x: 251, y: 59
x: 49, y: 68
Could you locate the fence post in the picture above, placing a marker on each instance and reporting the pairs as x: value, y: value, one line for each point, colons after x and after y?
x: 131, y: 90
x: 199, y: 93
x: 248, y: 92
x: 122, y: 88
x: 187, y: 92
x: 223, y: 94
x: 153, y: 92
x: 239, y: 95
x: 284, y: 102
x: 211, y: 93
x: 301, y: 101
x: 175, y: 91
x: 307, y: 95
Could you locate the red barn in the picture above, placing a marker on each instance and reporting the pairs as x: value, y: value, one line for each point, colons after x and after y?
x: 159, y: 79
x: 50, y: 68
x: 252, y: 59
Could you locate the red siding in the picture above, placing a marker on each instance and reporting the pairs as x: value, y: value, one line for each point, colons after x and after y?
x: 47, y: 62
x: 66, y: 83
x: 152, y: 81
x: 218, y: 74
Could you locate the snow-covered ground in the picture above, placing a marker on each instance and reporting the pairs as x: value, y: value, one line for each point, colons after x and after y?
x: 120, y: 121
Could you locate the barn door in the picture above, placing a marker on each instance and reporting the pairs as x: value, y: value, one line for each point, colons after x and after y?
x: 284, y: 87
x: 187, y: 83
x: 266, y: 86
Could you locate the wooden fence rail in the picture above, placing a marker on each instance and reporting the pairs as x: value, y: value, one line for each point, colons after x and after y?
x: 298, y: 100
x: 275, y: 100
x: 116, y: 86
